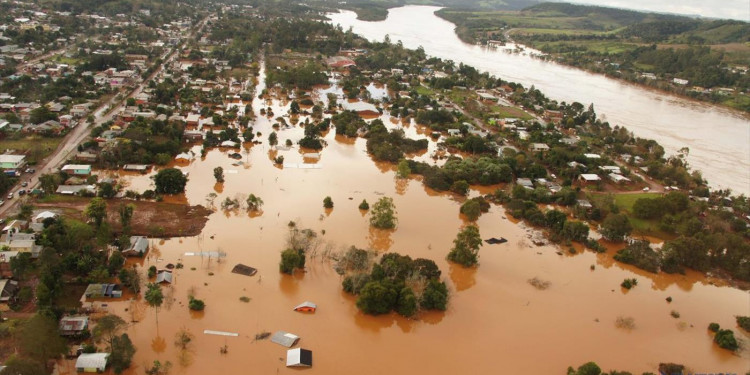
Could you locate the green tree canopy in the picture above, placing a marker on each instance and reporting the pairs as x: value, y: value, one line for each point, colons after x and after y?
x: 97, y: 210
x: 41, y: 339
x: 466, y: 247
x: 383, y: 214
x: 170, y: 181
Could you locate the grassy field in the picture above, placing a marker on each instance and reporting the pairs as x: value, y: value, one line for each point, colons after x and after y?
x: 625, y: 202
x: 510, y: 112
x: 424, y: 90
x: 36, y: 148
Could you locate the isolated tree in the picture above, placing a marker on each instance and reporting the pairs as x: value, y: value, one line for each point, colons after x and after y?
x: 97, y: 210
x: 472, y: 209
x: 154, y: 298
x: 328, y: 202
x: 273, y: 139
x: 122, y: 353
x: 170, y: 181
x: 364, y: 205
x: 108, y: 327
x: 126, y: 215
x: 219, y: 174
x: 40, y: 338
x: 291, y: 259
x: 465, y: 249
x: 254, y: 202
x: 383, y: 214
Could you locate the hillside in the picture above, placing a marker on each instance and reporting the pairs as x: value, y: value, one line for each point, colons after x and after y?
x: 648, y: 48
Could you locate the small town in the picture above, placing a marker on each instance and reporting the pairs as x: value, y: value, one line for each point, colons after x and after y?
x: 187, y: 185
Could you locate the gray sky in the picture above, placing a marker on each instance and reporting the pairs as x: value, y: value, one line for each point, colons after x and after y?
x: 734, y: 9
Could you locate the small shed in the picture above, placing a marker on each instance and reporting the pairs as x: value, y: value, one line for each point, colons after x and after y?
x: 285, y: 338
x: 298, y: 358
x: 306, y: 306
x: 92, y: 362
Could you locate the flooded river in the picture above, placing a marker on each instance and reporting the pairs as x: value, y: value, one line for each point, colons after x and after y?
x: 718, y: 138
x: 495, y: 323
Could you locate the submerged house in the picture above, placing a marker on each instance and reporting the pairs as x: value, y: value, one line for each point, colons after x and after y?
x: 138, y: 246
x: 306, y: 306
x: 298, y: 358
x: 164, y: 276
x: 284, y: 338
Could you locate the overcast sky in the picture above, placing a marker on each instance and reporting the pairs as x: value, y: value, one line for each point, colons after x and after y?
x: 734, y: 9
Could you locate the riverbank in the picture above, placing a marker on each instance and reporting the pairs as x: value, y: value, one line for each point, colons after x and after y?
x: 617, y: 43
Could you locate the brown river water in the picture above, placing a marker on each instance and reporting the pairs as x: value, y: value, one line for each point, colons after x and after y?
x: 718, y: 138
x: 495, y: 323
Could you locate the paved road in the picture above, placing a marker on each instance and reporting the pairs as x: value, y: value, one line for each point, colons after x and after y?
x: 70, y: 145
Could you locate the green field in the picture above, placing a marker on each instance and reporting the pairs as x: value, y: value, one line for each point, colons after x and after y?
x: 35, y: 148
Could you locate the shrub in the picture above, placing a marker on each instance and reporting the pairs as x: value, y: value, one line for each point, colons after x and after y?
x: 674, y: 314
x: 328, y: 202
x: 629, y: 283
x: 364, y: 205
x: 714, y: 327
x: 151, y: 272
x: 196, y: 304
x: 291, y: 259
x: 725, y: 339
x: 744, y: 322
x: 639, y: 254
x: 245, y: 299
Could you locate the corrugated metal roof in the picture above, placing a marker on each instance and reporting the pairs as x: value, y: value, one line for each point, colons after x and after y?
x: 284, y: 338
x: 92, y: 360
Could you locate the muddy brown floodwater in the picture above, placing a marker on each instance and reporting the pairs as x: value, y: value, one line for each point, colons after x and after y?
x: 495, y: 323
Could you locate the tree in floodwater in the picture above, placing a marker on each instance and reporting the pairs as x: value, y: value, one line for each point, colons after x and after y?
x: 383, y: 214
x: 154, y: 297
x: 254, y: 203
x: 466, y: 247
x: 219, y: 174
